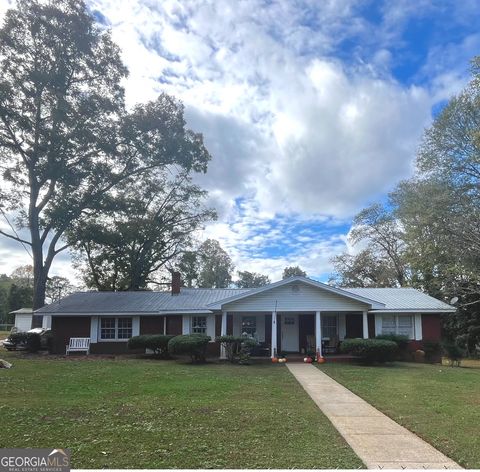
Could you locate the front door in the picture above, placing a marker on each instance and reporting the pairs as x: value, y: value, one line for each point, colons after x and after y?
x: 290, y: 333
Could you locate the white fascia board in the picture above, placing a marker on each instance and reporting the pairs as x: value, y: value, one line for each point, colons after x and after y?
x: 305, y: 280
x: 416, y: 310
x: 136, y: 313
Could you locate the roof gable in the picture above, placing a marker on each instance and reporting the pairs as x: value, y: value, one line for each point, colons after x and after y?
x: 298, y: 280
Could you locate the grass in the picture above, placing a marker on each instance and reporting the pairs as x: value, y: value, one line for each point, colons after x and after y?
x: 4, y: 334
x: 440, y: 404
x: 138, y: 413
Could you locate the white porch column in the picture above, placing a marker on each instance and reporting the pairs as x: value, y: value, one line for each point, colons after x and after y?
x: 164, y: 324
x: 274, y: 334
x: 223, y: 332
x: 365, y: 325
x: 318, y: 332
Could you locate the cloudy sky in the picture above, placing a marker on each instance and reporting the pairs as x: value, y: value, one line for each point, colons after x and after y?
x: 311, y: 109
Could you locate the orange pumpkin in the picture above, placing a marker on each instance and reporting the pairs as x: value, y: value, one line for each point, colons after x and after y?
x: 321, y: 360
x: 274, y: 360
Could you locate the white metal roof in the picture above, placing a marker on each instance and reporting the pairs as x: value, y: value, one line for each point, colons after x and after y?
x: 403, y: 299
x: 206, y: 300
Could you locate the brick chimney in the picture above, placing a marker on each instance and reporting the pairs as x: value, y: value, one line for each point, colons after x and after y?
x: 176, y: 283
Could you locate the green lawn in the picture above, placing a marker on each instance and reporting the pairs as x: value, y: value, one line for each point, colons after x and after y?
x: 165, y: 414
x: 4, y: 334
x: 441, y: 404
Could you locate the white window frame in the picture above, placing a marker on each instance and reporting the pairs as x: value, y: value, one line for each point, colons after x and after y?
x: 116, y: 328
x: 396, y: 325
x: 195, y: 326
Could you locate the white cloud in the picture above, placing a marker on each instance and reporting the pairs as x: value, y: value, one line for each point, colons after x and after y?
x: 299, y: 132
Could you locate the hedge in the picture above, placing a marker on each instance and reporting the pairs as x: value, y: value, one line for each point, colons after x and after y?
x: 237, y: 348
x: 158, y: 343
x: 370, y: 350
x: 195, y: 345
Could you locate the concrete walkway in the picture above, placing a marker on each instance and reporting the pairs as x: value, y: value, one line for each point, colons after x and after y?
x: 380, y: 442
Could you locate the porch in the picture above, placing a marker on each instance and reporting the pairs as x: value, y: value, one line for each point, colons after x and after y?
x: 298, y: 332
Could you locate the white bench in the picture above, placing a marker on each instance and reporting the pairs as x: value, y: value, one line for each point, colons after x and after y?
x: 78, y: 345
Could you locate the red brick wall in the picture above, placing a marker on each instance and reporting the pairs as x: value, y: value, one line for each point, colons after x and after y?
x: 66, y: 327
x: 174, y: 324
x: 151, y: 324
x: 431, y: 327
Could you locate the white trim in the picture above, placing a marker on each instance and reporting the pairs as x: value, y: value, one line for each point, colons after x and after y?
x: 135, y: 326
x: 93, y: 329
x: 211, y: 327
x: 318, y: 332
x: 223, y: 332
x: 415, y: 310
x: 418, y: 327
x: 165, y: 324
x: 186, y: 324
x: 116, y: 340
x: 131, y: 313
x: 304, y: 280
x: 365, y: 325
x: 378, y: 324
x: 412, y: 335
x: 274, y: 334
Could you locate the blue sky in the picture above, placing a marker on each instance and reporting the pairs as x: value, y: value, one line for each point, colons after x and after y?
x: 311, y: 109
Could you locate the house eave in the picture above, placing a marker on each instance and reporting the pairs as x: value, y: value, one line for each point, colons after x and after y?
x: 415, y: 310
x: 130, y: 313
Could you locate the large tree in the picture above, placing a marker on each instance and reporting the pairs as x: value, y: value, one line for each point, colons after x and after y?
x: 251, y: 279
x: 365, y: 269
x: 215, y: 265
x: 58, y: 287
x: 67, y: 142
x: 429, y: 232
x: 292, y: 271
x: 147, y: 228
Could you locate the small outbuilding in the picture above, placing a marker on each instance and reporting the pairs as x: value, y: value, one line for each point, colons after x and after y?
x: 25, y: 320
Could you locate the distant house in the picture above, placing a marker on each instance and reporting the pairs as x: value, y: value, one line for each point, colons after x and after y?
x: 297, y: 314
x: 25, y: 319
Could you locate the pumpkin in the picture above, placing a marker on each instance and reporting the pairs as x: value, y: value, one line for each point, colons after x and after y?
x: 274, y: 360
x: 321, y: 360
x: 308, y: 360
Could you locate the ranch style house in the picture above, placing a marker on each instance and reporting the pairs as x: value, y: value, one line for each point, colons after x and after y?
x: 294, y: 315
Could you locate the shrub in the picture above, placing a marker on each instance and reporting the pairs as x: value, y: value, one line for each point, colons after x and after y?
x: 33, y: 342
x: 237, y: 348
x: 401, y: 340
x: 433, y: 350
x: 453, y: 352
x: 195, y: 345
x: 158, y: 343
x: 18, y: 338
x: 246, y: 350
x: 370, y: 350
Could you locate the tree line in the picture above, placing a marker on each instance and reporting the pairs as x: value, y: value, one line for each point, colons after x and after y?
x: 427, y: 234
x: 16, y: 291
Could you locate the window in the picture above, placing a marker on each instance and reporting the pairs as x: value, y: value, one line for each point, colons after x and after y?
x: 249, y: 326
x: 329, y: 326
x: 398, y: 324
x: 115, y: 328
x: 199, y: 324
